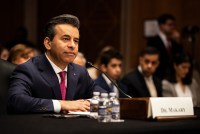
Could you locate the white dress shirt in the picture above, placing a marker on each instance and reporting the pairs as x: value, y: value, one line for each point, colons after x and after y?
x: 150, y: 84
x: 163, y: 37
x: 56, y: 103
x: 180, y: 92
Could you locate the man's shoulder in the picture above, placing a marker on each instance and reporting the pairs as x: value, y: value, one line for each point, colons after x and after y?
x: 132, y: 74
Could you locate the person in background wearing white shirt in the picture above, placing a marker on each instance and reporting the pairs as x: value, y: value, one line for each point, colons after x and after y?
x: 180, y: 82
x: 165, y: 44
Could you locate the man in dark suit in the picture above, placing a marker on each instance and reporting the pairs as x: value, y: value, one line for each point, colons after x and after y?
x: 111, y: 64
x: 51, y: 82
x: 142, y: 82
x: 165, y: 43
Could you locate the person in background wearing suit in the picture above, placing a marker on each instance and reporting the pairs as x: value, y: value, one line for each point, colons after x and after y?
x: 51, y: 82
x: 111, y: 64
x: 80, y: 59
x: 142, y: 82
x: 165, y: 43
x: 180, y: 83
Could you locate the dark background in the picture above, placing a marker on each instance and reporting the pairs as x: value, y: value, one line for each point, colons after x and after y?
x: 103, y: 22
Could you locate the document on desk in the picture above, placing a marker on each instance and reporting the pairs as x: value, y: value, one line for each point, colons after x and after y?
x: 83, y: 114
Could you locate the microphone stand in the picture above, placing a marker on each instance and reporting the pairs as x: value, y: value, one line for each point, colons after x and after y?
x: 113, y: 82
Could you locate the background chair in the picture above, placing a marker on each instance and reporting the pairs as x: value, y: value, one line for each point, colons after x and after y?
x: 6, y: 68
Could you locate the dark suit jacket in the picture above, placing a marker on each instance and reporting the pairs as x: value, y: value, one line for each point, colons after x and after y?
x: 165, y: 58
x: 102, y: 83
x: 34, y: 85
x: 137, y: 86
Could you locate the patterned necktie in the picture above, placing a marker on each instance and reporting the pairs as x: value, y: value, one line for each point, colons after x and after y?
x: 63, y: 84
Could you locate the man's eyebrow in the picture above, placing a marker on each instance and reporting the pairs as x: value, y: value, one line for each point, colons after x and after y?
x: 66, y: 35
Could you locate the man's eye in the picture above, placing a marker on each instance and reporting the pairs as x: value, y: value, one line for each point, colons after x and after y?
x: 76, y: 41
x: 147, y: 61
x: 65, y: 39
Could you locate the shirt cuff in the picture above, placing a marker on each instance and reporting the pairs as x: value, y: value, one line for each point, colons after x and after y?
x: 57, y: 106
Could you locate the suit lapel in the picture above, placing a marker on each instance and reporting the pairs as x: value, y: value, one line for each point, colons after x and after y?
x: 49, y: 75
x: 142, y: 87
x: 72, y: 79
x: 104, y: 84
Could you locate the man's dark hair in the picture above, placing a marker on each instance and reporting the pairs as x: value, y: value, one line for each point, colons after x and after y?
x: 150, y: 51
x: 179, y: 59
x: 107, y: 56
x: 164, y: 18
x: 61, y: 19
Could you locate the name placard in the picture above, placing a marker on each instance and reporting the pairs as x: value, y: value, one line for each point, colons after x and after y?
x: 170, y: 106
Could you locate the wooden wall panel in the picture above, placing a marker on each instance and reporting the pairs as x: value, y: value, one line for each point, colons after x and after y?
x: 12, y: 17
x: 100, y: 22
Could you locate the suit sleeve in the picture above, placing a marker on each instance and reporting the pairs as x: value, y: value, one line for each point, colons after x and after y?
x: 167, y: 91
x: 20, y: 97
x: 90, y: 85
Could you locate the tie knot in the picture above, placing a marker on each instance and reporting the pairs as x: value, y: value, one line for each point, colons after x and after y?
x: 62, y: 75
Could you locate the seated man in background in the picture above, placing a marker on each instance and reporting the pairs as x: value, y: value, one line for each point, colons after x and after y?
x: 142, y: 82
x: 80, y: 59
x: 20, y: 53
x: 111, y: 64
x: 51, y: 82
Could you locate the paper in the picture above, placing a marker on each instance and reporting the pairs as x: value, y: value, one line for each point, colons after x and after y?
x: 84, y: 114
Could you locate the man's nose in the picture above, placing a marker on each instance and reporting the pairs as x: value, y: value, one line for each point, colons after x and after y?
x: 71, y: 44
x: 149, y: 65
x: 118, y: 69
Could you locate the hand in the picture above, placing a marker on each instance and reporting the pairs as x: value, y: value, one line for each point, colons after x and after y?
x: 78, y: 105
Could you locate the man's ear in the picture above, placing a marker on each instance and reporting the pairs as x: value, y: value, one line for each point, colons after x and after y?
x: 103, y: 68
x: 140, y: 60
x: 47, y: 43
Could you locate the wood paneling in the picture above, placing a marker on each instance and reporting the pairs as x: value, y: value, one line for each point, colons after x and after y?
x: 12, y: 17
x: 100, y: 22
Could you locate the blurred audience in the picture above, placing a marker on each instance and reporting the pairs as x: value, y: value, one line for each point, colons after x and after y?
x: 20, y: 53
x: 142, y: 82
x: 92, y: 71
x: 4, y: 52
x: 111, y: 64
x: 180, y: 82
x: 166, y: 43
x: 80, y: 59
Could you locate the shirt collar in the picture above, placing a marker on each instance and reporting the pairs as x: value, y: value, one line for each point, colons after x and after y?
x: 55, y: 68
x: 163, y: 37
x: 140, y: 70
x: 106, y: 79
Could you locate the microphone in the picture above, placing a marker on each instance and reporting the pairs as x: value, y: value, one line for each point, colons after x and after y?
x: 113, y: 82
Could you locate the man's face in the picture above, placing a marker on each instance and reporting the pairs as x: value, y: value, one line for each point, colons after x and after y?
x: 64, y: 47
x: 168, y: 27
x: 149, y: 64
x: 113, y: 69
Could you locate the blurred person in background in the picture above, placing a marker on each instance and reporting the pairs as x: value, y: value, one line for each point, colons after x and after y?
x: 180, y: 83
x: 111, y: 64
x: 80, y: 59
x: 142, y: 81
x: 20, y: 53
x: 92, y: 71
x: 4, y: 52
x: 164, y: 42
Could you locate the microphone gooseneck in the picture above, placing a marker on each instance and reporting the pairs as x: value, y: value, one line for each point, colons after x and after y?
x: 113, y: 82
